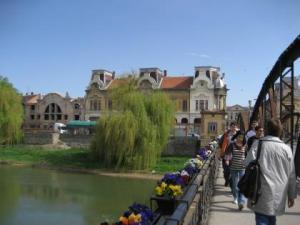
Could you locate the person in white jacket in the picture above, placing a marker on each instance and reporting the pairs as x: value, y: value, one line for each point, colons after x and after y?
x: 278, y: 180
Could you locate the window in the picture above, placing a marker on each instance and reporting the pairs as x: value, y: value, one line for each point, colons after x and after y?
x: 184, y: 105
x: 212, y: 127
x: 184, y: 120
x: 52, y: 111
x: 32, y: 117
x: 95, y: 105
x: 32, y: 107
x: 76, y: 117
x: 201, y: 105
x: 197, y: 120
x: 66, y: 117
x: 76, y: 106
x: 110, y: 104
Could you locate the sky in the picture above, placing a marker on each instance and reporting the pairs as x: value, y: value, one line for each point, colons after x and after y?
x: 53, y: 45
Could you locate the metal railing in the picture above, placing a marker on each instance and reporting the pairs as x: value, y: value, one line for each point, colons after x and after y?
x: 193, y: 207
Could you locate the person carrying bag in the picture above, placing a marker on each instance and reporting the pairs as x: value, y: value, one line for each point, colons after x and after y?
x: 249, y: 185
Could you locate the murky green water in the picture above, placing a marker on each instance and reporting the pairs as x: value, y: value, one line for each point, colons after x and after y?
x: 46, y: 197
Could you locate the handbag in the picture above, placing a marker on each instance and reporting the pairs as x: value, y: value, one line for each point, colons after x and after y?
x: 249, y: 185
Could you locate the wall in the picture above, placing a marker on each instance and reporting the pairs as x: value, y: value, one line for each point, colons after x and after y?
x: 40, y: 138
x: 181, y: 146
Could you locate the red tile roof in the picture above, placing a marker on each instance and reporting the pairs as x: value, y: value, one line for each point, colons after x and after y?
x: 30, y: 99
x: 176, y: 82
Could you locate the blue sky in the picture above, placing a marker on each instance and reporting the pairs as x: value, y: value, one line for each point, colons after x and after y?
x: 52, y: 45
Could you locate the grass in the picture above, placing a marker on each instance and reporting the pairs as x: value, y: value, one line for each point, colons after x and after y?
x: 74, y: 158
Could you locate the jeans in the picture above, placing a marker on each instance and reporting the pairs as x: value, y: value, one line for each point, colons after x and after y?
x: 262, y: 219
x: 236, y: 175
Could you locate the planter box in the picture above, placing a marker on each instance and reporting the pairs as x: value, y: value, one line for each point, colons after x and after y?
x: 165, y: 205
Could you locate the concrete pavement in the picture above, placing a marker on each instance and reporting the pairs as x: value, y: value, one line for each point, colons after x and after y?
x: 224, y: 212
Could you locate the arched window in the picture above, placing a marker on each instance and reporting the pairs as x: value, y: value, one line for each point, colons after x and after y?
x: 53, y: 112
x: 76, y: 106
x: 184, y: 120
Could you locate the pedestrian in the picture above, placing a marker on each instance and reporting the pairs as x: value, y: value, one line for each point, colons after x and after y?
x: 259, y: 133
x: 237, y: 168
x: 278, y: 180
x: 223, y: 144
x: 251, y: 131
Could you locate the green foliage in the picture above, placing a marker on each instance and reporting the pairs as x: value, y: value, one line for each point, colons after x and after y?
x: 135, y: 135
x: 11, y: 113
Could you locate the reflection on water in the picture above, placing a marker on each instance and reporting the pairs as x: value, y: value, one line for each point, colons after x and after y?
x: 46, y: 197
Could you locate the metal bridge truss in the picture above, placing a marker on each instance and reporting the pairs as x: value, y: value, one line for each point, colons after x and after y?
x: 277, y: 95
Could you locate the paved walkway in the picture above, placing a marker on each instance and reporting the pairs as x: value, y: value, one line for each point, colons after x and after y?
x: 224, y: 212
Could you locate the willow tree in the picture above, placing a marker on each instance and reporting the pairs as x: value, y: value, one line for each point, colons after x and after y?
x: 11, y: 113
x: 134, y: 136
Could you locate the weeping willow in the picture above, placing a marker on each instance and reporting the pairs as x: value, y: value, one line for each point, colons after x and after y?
x: 11, y: 113
x: 133, y: 137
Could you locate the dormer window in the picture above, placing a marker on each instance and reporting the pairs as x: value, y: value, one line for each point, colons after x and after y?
x: 208, y: 74
x: 153, y: 75
x: 102, y: 77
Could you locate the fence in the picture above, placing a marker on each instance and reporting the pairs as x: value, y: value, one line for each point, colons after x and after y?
x: 193, y: 207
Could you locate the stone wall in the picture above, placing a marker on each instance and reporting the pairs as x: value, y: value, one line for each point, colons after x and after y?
x: 76, y: 141
x: 181, y: 146
x: 40, y: 138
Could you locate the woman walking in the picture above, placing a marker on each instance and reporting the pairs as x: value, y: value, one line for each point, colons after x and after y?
x: 236, y: 151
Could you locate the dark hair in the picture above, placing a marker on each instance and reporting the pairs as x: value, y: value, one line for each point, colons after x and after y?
x: 238, y: 134
x: 274, y: 127
x: 233, y: 124
x: 258, y: 127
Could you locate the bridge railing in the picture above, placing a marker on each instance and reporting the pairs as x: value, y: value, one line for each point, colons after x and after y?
x: 193, y: 207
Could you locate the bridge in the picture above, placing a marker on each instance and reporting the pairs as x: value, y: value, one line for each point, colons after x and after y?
x: 208, y: 201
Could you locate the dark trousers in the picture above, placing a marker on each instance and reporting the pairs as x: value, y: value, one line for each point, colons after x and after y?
x: 226, y: 172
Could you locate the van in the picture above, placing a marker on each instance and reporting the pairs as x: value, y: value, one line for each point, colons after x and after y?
x: 60, y: 128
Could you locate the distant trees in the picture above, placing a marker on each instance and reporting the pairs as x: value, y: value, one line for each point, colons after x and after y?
x: 134, y: 136
x: 11, y: 113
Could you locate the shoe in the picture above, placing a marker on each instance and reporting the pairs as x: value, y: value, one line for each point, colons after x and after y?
x: 235, y: 201
x: 241, y: 206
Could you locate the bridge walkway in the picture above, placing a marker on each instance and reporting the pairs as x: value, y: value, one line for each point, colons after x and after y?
x: 224, y: 212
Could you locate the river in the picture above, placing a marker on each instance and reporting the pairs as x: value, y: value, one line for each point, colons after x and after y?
x: 30, y: 196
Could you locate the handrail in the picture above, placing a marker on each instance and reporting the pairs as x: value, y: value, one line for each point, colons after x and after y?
x: 198, y: 194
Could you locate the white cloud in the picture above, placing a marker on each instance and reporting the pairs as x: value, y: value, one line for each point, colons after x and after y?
x: 197, y: 55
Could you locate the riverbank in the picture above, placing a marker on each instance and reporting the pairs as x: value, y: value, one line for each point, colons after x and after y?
x: 79, y: 161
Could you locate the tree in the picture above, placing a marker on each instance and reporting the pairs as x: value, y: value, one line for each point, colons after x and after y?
x: 134, y: 136
x: 11, y: 113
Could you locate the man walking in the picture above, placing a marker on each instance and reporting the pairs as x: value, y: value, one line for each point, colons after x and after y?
x: 278, y: 181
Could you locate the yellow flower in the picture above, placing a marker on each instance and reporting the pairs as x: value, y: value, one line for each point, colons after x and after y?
x: 159, y: 191
x: 176, y: 190
x: 163, y: 186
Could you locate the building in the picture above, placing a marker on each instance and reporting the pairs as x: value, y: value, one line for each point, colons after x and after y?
x: 233, y: 112
x: 192, y: 95
x: 41, y: 112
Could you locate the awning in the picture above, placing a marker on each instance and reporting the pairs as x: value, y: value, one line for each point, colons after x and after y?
x: 80, y: 123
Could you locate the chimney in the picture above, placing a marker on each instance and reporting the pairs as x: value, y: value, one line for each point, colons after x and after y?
x: 31, y: 93
x: 165, y: 73
x: 113, y: 75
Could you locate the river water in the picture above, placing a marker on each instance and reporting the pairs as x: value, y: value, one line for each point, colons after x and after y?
x: 30, y: 196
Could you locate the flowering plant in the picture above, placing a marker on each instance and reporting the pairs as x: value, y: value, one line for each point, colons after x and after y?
x: 137, y: 214
x: 169, y: 190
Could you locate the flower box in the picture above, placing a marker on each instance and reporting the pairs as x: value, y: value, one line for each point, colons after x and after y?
x: 165, y: 205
